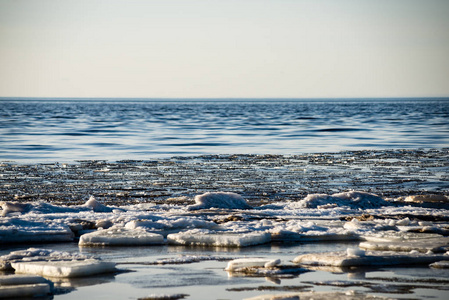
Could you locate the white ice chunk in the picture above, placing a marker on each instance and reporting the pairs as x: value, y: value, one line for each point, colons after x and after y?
x: 16, y: 230
x: 403, y: 222
x: 21, y: 279
x: 355, y: 252
x: 341, y: 259
x: 118, y: 236
x: 225, y: 200
x: 397, y: 236
x: 246, y: 263
x: 272, y: 263
x: 432, y: 244
x: 11, y: 207
x: 64, y: 269
x: 21, y: 286
x: 198, y: 237
x: 444, y: 264
x: 353, y: 199
x: 36, y: 254
x: 96, y: 206
x: 349, y: 295
x: 25, y: 291
x: 427, y: 198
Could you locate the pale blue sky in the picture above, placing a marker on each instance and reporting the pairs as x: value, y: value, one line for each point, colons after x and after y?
x: 224, y: 48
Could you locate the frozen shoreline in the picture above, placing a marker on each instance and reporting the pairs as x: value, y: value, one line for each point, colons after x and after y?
x: 277, y: 212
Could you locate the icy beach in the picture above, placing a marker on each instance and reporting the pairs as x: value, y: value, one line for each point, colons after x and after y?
x: 347, y: 225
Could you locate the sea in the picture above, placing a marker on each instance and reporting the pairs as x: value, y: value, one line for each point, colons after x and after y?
x: 308, y: 167
x: 65, y: 130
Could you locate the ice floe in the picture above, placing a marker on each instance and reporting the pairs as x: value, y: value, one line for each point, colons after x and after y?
x: 64, y: 269
x: 18, y: 230
x: 202, y: 237
x: 38, y: 254
x: 349, y: 295
x: 24, y: 286
x: 261, y: 267
x: 352, y: 258
x: 96, y: 206
x: 444, y: 264
x: 241, y: 263
x: 119, y: 236
x: 407, y: 242
x: 227, y: 200
x: 352, y: 199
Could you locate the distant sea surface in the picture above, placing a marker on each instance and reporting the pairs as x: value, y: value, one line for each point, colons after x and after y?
x: 49, y: 130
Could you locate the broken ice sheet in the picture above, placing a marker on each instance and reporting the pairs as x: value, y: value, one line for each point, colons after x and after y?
x: 38, y: 254
x: 374, y: 258
x: 349, y: 295
x: 426, y: 243
x: 119, y: 236
x: 203, y: 237
x: 64, y: 269
x: 18, y: 230
x: 261, y: 267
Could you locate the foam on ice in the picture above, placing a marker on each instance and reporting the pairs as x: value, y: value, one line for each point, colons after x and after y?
x: 201, y: 237
x: 226, y: 200
x: 119, y: 236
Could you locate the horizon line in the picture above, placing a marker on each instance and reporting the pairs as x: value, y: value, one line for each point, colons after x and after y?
x: 224, y: 98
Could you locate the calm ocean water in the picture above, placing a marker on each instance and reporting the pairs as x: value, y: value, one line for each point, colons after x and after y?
x: 44, y: 130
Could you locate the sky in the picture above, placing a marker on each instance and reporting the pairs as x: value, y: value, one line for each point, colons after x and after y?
x: 224, y: 48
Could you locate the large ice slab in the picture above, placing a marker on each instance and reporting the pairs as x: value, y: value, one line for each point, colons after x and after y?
x: 248, y: 263
x: 21, y: 286
x: 16, y: 230
x: 218, y: 239
x: 225, y: 200
x: 444, y: 264
x: 119, y: 236
x: 37, y: 254
x: 433, y: 244
x: 356, y: 258
x: 64, y: 269
x: 261, y: 267
x: 349, y: 295
x: 25, y: 290
x: 352, y: 199
x: 313, y: 236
